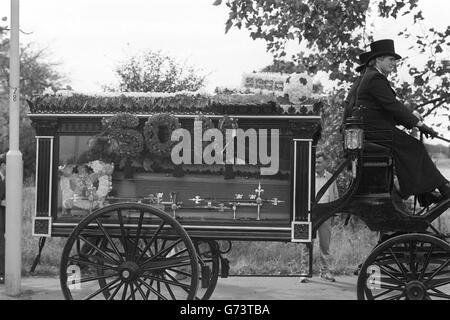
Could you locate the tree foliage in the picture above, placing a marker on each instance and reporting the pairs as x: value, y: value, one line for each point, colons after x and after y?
x: 36, y: 74
x: 331, y: 139
x: 335, y: 32
x: 153, y: 71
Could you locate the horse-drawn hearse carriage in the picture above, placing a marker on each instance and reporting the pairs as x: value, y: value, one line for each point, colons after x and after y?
x: 145, y: 186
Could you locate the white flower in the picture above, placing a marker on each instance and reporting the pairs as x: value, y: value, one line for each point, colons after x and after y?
x: 49, y: 91
x: 97, y: 166
x: 296, y: 89
x: 64, y: 93
x: 104, y: 186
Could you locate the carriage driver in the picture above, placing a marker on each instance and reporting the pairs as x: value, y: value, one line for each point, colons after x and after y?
x: 416, y: 172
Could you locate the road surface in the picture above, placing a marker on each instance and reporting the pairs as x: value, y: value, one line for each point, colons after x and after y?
x: 232, y: 288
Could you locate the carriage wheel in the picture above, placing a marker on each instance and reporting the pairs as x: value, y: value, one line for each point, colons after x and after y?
x: 208, y: 256
x: 129, y: 251
x: 407, y: 267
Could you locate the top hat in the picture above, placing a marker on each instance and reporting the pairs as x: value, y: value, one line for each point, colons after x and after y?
x: 383, y: 48
x: 363, y: 59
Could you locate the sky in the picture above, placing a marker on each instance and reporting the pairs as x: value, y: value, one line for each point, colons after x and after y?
x: 89, y: 37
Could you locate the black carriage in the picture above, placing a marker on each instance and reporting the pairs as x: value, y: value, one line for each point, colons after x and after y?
x: 140, y: 226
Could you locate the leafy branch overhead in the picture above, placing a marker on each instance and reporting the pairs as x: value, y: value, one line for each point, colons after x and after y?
x: 334, y: 33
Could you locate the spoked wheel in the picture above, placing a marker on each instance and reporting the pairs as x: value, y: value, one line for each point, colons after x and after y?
x: 208, y: 258
x: 129, y: 251
x: 407, y: 267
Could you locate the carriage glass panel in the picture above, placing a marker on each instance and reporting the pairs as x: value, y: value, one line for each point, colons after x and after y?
x: 192, y: 191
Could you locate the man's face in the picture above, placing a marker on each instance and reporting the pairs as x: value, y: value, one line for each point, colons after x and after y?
x: 386, y: 64
x: 320, y: 164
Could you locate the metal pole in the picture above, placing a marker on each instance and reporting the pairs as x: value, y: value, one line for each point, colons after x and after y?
x: 14, y: 168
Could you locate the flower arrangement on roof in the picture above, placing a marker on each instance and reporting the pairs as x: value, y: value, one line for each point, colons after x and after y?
x: 224, y: 101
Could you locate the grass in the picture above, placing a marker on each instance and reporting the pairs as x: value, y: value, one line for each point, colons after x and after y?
x: 51, y: 254
x: 349, y: 246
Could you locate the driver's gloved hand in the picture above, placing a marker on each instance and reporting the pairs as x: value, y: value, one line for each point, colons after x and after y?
x: 427, y: 131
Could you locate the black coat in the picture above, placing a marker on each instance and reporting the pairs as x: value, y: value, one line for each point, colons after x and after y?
x: 350, y: 101
x: 415, y: 170
x: 382, y: 109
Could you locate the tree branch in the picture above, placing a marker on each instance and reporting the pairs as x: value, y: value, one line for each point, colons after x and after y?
x: 431, y: 101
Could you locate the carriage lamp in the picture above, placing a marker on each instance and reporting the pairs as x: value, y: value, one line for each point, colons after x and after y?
x: 353, y: 135
x: 353, y: 140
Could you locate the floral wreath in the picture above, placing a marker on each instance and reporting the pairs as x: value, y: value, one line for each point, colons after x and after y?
x: 124, y: 138
x: 206, y: 125
x: 152, y: 133
x: 121, y: 120
x: 206, y: 122
x: 227, y: 123
x: 127, y: 142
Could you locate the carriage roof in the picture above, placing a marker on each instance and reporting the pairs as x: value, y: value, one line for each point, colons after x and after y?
x: 69, y: 102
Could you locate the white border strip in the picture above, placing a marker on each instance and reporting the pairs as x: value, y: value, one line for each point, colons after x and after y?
x: 37, y: 176
x: 49, y: 213
x: 309, y: 176
x: 309, y: 181
x: 49, y: 231
x: 309, y: 232
x: 294, y: 182
x: 50, y: 179
x: 56, y: 224
x: 93, y: 115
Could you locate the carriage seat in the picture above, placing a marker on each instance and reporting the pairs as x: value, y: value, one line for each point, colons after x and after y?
x: 376, y: 155
x: 377, y: 169
x: 370, y: 147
